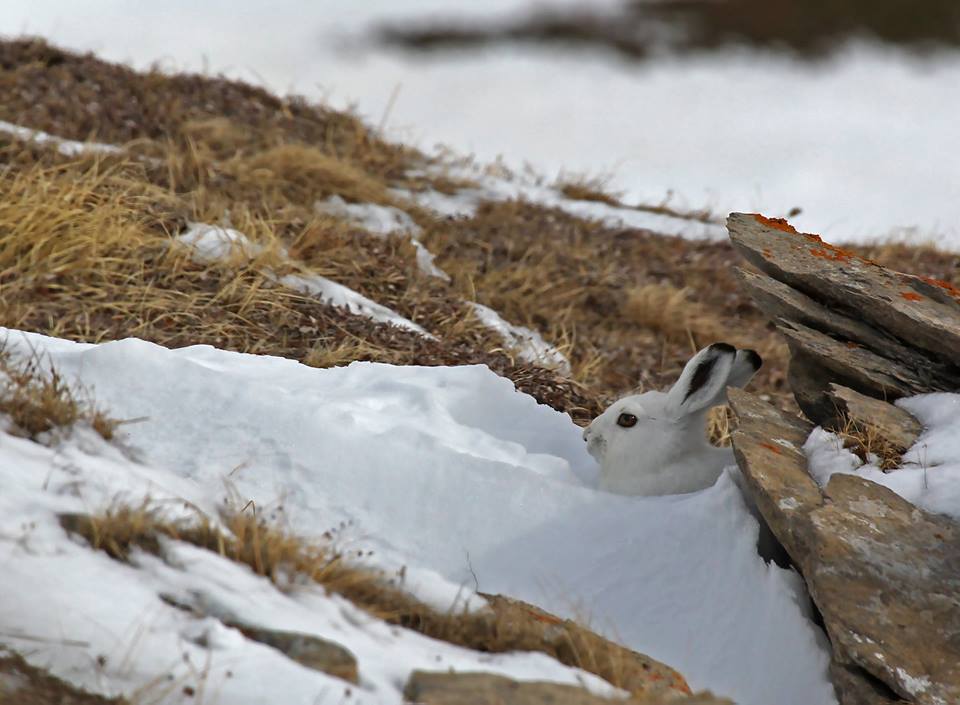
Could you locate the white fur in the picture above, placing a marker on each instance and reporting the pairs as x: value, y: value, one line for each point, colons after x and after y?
x: 667, y: 451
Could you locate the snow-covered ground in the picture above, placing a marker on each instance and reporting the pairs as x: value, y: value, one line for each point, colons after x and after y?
x: 930, y: 474
x: 448, y: 471
x: 861, y: 142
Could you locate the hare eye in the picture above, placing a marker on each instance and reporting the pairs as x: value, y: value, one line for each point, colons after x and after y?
x: 627, y: 420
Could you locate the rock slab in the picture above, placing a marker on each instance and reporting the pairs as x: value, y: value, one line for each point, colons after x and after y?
x: 884, y: 574
x: 433, y: 688
x: 848, y: 320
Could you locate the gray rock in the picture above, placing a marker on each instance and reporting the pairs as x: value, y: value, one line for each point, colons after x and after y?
x: 488, y: 689
x: 923, y: 312
x: 884, y: 574
x: 848, y: 320
x: 307, y: 650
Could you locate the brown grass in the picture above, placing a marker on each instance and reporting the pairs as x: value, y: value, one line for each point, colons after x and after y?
x: 588, y: 189
x: 669, y: 311
x: 869, y: 445
x: 277, y: 554
x: 38, y: 400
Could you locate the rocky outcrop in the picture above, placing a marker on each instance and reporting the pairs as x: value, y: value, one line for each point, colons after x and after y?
x: 848, y: 320
x: 884, y: 574
x: 445, y: 688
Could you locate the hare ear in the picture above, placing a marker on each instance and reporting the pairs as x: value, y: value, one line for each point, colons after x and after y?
x: 745, y: 366
x: 703, y: 380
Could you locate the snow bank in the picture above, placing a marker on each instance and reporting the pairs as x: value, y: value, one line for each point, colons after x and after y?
x: 68, y: 148
x: 210, y: 243
x: 930, y: 475
x: 448, y: 471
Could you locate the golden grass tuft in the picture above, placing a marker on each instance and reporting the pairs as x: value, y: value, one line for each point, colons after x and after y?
x: 669, y: 312
x: 38, y: 400
x: 280, y: 556
x: 303, y: 174
x: 868, y: 443
x: 587, y: 189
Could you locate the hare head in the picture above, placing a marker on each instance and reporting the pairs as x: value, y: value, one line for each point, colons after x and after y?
x: 655, y: 443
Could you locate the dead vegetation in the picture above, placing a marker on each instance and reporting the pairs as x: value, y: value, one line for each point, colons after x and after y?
x: 36, y: 400
x: 869, y: 444
x: 277, y: 555
x: 85, y: 243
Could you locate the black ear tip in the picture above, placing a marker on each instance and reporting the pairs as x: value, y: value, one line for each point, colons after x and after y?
x: 724, y: 349
x: 753, y: 357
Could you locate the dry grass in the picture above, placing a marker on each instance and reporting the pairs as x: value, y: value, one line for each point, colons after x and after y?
x: 85, y: 245
x: 278, y: 555
x: 37, y: 400
x: 867, y: 443
x: 588, y: 189
x: 669, y: 312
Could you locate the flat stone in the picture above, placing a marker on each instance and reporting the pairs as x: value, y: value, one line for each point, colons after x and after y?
x: 447, y: 688
x: 572, y: 643
x: 307, y: 650
x: 849, y: 361
x: 768, y: 446
x: 922, y: 312
x: 779, y: 301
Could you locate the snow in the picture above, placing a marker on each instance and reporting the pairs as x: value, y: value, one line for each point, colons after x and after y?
x: 732, y: 130
x: 210, y: 243
x: 373, y: 217
x: 930, y: 474
x: 449, y: 472
x: 68, y: 148
x: 529, y: 345
x: 339, y: 295
x: 495, y: 183
x: 383, y: 220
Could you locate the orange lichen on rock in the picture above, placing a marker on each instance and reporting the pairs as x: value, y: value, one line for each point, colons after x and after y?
x: 776, y: 223
x: 911, y: 296
x: 680, y: 683
x: 772, y: 448
x: 832, y: 253
x: 946, y: 286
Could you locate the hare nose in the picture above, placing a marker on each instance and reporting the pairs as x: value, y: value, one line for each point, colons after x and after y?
x: 586, y: 434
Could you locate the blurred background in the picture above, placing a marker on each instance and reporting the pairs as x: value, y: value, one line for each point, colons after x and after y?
x: 842, y: 113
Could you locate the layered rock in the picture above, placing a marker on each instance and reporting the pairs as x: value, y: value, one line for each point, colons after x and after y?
x: 884, y: 574
x: 848, y: 320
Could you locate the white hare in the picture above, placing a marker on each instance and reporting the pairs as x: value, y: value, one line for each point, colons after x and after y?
x: 655, y: 443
